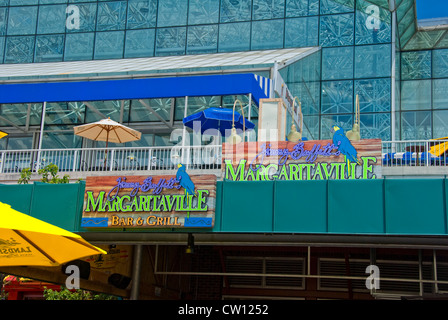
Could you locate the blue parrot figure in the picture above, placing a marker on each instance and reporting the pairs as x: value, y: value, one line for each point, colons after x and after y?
x: 345, y: 147
x: 185, y: 180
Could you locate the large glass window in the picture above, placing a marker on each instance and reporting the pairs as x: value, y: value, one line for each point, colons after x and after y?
x: 139, y: 43
x: 337, y: 63
x: 416, y: 95
x: 19, y: 49
x: 337, y: 30
x: 267, y: 34
x: 22, y: 20
x: 172, y: 13
x: 415, y: 65
x: 440, y: 63
x: 440, y: 94
x: 51, y: 19
x: 235, y: 10
x: 203, y: 12
x: 150, y: 110
x: 49, y: 48
x: 372, y: 61
x: 268, y: 9
x: 202, y: 39
x: 373, y: 23
x: 301, y: 32
x: 141, y: 14
x: 300, y: 8
x: 111, y: 15
x: 336, y: 6
x: 374, y: 95
x: 416, y: 125
x: 234, y: 37
x: 337, y: 97
x: 109, y: 45
x: 171, y: 41
x: 79, y: 46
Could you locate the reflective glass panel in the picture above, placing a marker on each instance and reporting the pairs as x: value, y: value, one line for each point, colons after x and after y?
x: 299, y: 8
x: 170, y: 41
x: 150, y: 110
x: 19, y: 49
x: 416, y: 125
x: 139, y: 43
x: 301, y: 32
x: 336, y: 6
x: 2, y: 48
x: 337, y: 97
x: 203, y: 12
x: 267, y: 34
x: 52, y: 19
x: 97, y: 110
x: 141, y: 14
x: 336, y: 30
x: 375, y: 126
x: 202, y: 39
x: 268, y: 9
x: 440, y: 63
x: 49, y: 48
x: 337, y: 63
x: 172, y: 13
x: 18, y: 113
x: 235, y: 10
x: 373, y: 24
x: 416, y: 95
x: 374, y: 95
x: 311, y: 127
x: 328, y: 121
x: 3, y: 20
x: 79, y: 46
x: 373, y: 61
x: 22, y: 20
x: 60, y: 140
x: 81, y: 17
x: 111, y: 15
x: 440, y: 93
x: 415, y: 65
x: 109, y: 45
x: 65, y: 113
x: 440, y: 126
x: 234, y: 37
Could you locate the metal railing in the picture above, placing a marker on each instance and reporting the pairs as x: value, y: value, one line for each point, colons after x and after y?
x: 415, y: 153
x: 409, y: 153
x: 112, y: 159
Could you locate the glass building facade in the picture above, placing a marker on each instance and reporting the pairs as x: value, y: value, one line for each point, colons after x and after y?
x: 398, y: 70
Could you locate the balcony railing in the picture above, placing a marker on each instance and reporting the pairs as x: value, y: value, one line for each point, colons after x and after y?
x: 112, y: 159
x: 414, y: 153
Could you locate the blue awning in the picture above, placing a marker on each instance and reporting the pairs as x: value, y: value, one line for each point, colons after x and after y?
x: 169, y: 87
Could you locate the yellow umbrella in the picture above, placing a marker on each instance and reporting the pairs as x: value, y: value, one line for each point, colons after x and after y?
x: 27, y: 241
x: 3, y: 134
x: 438, y: 148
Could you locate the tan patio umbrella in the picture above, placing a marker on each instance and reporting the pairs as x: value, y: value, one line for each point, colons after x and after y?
x: 109, y: 131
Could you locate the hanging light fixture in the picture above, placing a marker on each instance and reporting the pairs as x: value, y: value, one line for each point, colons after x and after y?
x: 234, y: 138
x: 190, y: 244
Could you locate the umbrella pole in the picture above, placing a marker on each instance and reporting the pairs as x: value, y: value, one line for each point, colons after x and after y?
x: 105, y: 156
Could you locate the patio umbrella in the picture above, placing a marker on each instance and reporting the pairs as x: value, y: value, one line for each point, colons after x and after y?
x: 218, y: 118
x: 107, y: 130
x: 27, y: 241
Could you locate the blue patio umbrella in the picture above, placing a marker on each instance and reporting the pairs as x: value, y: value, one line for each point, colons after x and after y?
x: 218, y: 118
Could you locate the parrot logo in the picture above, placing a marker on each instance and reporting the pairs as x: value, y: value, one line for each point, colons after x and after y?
x: 345, y: 147
x: 185, y: 180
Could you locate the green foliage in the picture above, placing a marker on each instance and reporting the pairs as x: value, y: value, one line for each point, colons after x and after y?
x: 49, y: 175
x: 65, y: 294
x: 25, y: 176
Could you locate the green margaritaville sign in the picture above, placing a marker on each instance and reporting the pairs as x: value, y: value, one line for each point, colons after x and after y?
x: 150, y: 201
x: 306, y: 160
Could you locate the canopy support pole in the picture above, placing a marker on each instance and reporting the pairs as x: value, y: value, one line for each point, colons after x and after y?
x: 136, y: 271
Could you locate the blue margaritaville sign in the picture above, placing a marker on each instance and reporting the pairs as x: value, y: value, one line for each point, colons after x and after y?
x: 306, y: 160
